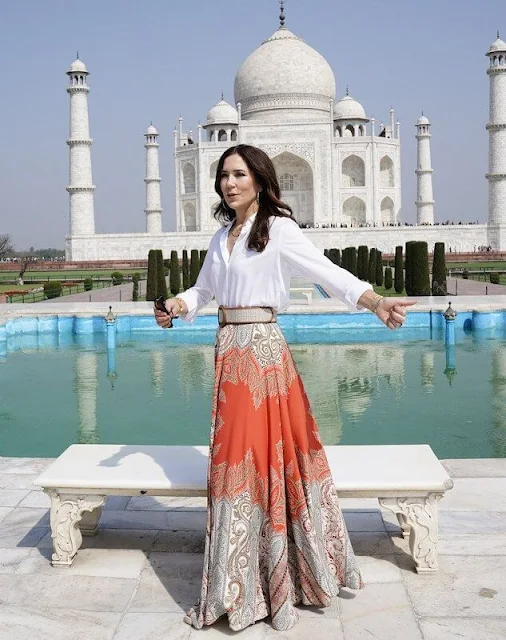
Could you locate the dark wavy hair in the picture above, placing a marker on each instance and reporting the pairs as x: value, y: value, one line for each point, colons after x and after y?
x: 264, y: 173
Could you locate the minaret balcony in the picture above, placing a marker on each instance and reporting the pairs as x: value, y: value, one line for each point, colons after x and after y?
x: 495, y: 177
x: 420, y: 172
x: 86, y: 141
x: 152, y: 179
x: 78, y: 88
x: 72, y: 189
x: 493, y: 70
x: 495, y: 127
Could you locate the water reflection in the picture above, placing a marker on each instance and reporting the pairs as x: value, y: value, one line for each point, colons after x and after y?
x: 156, y: 369
x: 427, y: 374
x: 498, y: 383
x: 85, y: 387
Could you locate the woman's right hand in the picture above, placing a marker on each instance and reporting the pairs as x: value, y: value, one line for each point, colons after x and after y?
x: 173, y: 310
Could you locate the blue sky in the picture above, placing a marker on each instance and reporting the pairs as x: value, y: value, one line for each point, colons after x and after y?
x: 157, y: 59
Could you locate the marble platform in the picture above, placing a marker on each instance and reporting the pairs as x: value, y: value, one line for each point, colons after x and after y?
x: 137, y: 577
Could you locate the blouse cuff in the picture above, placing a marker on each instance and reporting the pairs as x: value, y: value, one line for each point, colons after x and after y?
x: 353, y: 294
x: 191, y: 299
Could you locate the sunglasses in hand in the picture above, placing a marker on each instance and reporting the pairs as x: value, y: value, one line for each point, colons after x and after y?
x: 160, y: 305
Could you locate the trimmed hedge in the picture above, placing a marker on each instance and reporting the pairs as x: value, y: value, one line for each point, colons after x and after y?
x: 175, y: 276
x: 117, y: 278
x: 363, y: 262
x: 379, y: 268
x: 161, y: 280
x: 151, y: 284
x: 194, y: 266
x: 408, y: 267
x: 52, y: 289
x: 185, y: 265
x: 88, y: 284
x: 495, y: 278
x: 371, y: 275
x: 399, y: 271
x: 388, y: 278
x: 439, y: 287
x: 419, y: 270
x: 135, y: 291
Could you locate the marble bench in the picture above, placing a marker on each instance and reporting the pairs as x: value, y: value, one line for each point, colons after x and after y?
x: 407, y: 479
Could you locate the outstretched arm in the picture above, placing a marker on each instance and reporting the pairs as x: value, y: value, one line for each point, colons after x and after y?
x: 391, y: 311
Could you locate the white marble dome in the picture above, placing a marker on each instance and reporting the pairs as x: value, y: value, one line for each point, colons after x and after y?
x: 151, y: 131
x: 284, y: 73
x: 78, y: 66
x: 349, y: 109
x: 497, y: 45
x: 423, y: 120
x: 223, y: 113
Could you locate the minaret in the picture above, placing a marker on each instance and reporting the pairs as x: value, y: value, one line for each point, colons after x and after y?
x: 424, y: 201
x: 496, y: 127
x: 81, y: 188
x: 153, y: 208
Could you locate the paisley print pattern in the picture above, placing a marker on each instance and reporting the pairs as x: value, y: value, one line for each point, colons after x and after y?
x: 275, y: 535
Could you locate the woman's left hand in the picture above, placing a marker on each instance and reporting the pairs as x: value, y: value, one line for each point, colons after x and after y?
x: 392, y: 311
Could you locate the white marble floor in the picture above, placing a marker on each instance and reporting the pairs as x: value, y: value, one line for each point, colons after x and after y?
x: 136, y: 578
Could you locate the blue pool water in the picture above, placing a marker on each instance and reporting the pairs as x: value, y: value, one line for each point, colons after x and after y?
x: 365, y: 386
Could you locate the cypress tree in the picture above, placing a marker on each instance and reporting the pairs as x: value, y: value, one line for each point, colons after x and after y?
x: 399, y: 271
x: 332, y: 255
x: 151, y: 285
x: 371, y: 273
x: 338, y: 257
x: 194, y: 266
x: 363, y: 262
x: 388, y: 278
x: 379, y: 269
x: 419, y: 276
x: 202, y: 257
x: 185, y: 266
x: 175, y: 277
x: 344, y: 258
x: 409, y: 267
x: 352, y: 260
x: 161, y: 282
x: 326, y: 253
x: 135, y: 290
x: 439, y: 270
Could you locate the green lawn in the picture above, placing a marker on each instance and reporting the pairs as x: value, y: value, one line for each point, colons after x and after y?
x: 481, y: 266
x: 31, y: 276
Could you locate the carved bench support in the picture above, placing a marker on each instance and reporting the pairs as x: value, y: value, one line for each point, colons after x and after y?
x: 418, y: 517
x: 67, y: 512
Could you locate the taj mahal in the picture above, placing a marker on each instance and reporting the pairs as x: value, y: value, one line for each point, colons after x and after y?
x: 339, y: 169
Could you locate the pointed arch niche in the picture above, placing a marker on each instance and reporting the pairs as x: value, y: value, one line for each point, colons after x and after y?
x: 353, y: 172
x: 386, y: 173
x: 190, y: 217
x: 387, y: 211
x: 188, y: 178
x: 354, y: 211
x: 296, y: 182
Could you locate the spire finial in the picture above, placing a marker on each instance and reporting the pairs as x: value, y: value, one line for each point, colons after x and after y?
x: 222, y: 94
x: 347, y: 90
x: 498, y: 34
x: 281, y: 14
x: 77, y: 55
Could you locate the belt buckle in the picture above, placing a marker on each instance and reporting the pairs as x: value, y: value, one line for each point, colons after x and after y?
x: 221, y: 316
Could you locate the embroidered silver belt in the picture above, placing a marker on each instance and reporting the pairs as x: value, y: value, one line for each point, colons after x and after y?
x: 245, y: 315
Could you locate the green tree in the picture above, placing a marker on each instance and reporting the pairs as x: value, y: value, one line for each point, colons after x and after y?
x: 439, y: 270
x: 372, y: 266
x: 202, y: 257
x: 363, y: 262
x: 151, y: 285
x: 419, y: 276
x: 175, y: 276
x: 388, y: 278
x: 379, y: 268
x: 194, y: 266
x: 161, y: 280
x: 408, y: 268
x: 352, y: 260
x: 186, y: 270
x: 135, y: 290
x: 399, y: 271
x: 6, y: 246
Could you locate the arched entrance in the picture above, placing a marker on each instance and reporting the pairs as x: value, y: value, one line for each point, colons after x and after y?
x: 354, y: 211
x: 296, y: 181
x: 190, y: 217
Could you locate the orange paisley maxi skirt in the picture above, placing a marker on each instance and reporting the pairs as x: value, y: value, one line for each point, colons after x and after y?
x: 275, y: 534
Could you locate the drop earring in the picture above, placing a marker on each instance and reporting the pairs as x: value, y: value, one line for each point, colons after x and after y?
x: 258, y: 197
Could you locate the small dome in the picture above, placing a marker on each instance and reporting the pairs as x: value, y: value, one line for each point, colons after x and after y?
x: 151, y: 131
x: 284, y: 73
x: 497, y: 45
x: 423, y: 120
x: 349, y: 109
x: 223, y: 113
x: 79, y: 66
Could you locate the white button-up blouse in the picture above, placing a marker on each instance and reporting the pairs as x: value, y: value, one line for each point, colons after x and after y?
x: 246, y: 278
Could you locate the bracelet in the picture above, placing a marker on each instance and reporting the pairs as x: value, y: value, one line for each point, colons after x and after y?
x: 180, y: 305
x: 375, y: 306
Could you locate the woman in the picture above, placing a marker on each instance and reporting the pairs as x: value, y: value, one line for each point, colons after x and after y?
x: 275, y: 534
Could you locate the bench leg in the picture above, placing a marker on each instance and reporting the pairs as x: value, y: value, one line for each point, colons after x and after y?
x: 404, y: 525
x: 89, y: 522
x: 66, y: 513
x: 420, y: 517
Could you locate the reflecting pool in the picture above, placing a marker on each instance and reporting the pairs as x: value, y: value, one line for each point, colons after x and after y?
x: 153, y: 389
